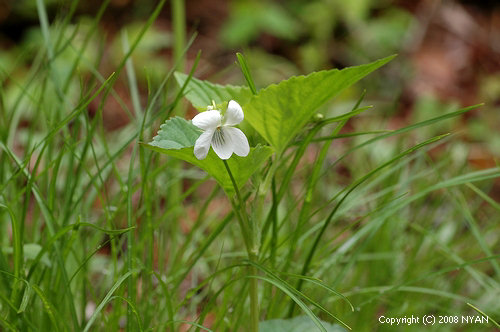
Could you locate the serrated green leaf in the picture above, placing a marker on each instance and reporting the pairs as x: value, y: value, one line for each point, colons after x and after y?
x: 201, y: 93
x: 176, y: 133
x: 177, y: 137
x: 279, y: 111
x: 296, y: 324
x: 241, y: 167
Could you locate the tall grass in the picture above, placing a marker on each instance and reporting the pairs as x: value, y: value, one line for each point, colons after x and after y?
x: 98, y: 233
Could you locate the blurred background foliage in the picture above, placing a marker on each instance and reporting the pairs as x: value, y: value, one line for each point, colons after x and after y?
x: 449, y: 50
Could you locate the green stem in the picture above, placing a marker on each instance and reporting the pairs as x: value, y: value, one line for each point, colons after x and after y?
x: 179, y: 23
x: 241, y: 213
x: 179, y: 31
x: 131, y: 290
x: 254, y: 299
x: 250, y: 235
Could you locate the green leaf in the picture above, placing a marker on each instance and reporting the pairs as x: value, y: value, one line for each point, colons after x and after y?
x: 279, y: 111
x: 241, y: 167
x: 296, y: 324
x: 176, y: 138
x: 201, y: 93
x: 176, y: 133
x: 249, y: 19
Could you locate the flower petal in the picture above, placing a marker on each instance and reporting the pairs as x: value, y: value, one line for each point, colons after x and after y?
x: 234, y: 114
x: 202, y: 144
x: 238, y: 140
x: 222, y: 144
x: 208, y: 120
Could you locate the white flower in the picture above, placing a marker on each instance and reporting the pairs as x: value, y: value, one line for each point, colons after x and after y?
x: 219, y: 133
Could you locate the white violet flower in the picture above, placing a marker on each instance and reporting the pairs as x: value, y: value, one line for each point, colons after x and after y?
x: 219, y: 133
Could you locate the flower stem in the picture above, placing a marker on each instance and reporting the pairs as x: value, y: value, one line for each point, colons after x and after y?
x: 254, y: 300
x: 250, y: 235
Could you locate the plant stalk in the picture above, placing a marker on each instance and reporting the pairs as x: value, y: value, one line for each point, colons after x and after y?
x: 179, y: 25
x: 250, y: 233
x: 254, y: 297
